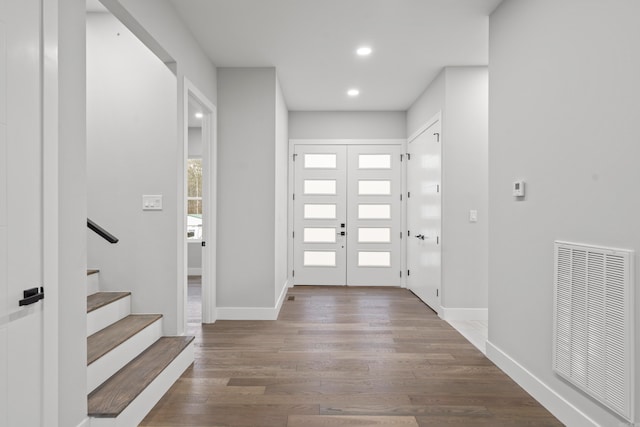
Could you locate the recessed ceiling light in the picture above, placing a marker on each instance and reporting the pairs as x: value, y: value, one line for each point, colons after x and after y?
x: 364, y: 51
x: 353, y: 92
x: 199, y: 115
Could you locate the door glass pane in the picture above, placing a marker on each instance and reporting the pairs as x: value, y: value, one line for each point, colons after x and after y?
x: 320, y: 186
x: 374, y: 259
x: 374, y: 161
x: 319, y: 235
x: 374, y: 235
x: 320, y: 161
x: 319, y: 258
x: 374, y: 211
x: 327, y: 211
x: 374, y: 188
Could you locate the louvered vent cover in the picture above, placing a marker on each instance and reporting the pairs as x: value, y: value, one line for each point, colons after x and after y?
x: 593, y: 322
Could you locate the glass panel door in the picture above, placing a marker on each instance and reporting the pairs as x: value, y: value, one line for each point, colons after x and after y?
x: 347, y: 212
x: 374, y: 215
x: 320, y: 215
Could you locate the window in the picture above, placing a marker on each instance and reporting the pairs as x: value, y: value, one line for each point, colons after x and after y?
x: 194, y: 199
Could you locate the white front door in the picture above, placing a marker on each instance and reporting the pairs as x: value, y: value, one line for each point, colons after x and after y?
x: 21, y: 327
x: 424, y: 215
x: 320, y: 215
x: 347, y: 211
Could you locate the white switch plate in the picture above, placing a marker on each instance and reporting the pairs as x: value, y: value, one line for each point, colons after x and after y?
x: 152, y: 202
x: 473, y: 215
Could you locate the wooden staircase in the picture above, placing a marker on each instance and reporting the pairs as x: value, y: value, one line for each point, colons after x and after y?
x: 130, y: 365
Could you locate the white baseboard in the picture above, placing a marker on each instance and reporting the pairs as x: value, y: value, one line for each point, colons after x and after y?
x: 562, y: 409
x: 193, y: 271
x: 464, y: 313
x: 253, y: 313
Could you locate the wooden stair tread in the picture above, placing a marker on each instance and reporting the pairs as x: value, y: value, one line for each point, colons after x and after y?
x: 92, y: 271
x: 112, y: 336
x: 115, y: 394
x: 100, y: 299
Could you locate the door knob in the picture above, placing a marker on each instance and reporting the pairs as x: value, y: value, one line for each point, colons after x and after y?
x: 420, y: 236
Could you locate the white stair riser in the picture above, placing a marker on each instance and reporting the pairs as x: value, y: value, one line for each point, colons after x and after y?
x: 93, y: 283
x: 110, y: 313
x: 103, y: 368
x: 140, y: 407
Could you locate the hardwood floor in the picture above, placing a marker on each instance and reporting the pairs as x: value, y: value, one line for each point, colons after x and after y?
x: 343, y: 357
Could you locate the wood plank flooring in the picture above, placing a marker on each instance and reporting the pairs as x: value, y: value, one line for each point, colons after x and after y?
x: 341, y: 356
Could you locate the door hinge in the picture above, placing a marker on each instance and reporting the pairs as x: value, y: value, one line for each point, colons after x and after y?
x: 437, y: 292
x: 408, y: 233
x: 294, y: 196
x: 437, y: 188
x: 400, y: 196
x: 401, y: 157
x: 293, y: 273
x: 204, y: 244
x: 437, y: 136
x: 293, y: 234
x: 294, y: 157
x: 408, y: 156
x: 401, y: 235
x: 408, y: 194
x: 400, y: 273
x: 437, y: 240
x: 408, y: 272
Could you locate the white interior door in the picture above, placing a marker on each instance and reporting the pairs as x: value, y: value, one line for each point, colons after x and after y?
x: 320, y: 215
x: 374, y: 212
x: 21, y: 327
x: 424, y: 215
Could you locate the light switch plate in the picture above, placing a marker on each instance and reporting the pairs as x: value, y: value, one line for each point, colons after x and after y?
x: 152, y: 202
x: 473, y: 215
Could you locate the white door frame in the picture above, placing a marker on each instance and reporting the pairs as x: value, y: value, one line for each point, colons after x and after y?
x: 50, y: 225
x: 290, y: 214
x: 209, y: 203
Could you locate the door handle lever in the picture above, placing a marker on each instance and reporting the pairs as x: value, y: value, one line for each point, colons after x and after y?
x: 420, y: 236
x: 31, y: 296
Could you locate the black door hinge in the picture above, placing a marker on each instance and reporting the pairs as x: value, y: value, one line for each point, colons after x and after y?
x: 204, y: 244
x: 408, y: 272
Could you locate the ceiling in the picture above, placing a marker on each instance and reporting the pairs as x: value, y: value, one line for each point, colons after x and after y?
x: 312, y: 45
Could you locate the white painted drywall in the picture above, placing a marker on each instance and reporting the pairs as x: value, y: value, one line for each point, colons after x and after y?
x: 72, y: 216
x: 195, y: 143
x: 461, y: 93
x: 132, y: 149
x: 160, y: 19
x: 246, y: 187
x: 281, y: 182
x: 565, y: 102
x: 347, y: 124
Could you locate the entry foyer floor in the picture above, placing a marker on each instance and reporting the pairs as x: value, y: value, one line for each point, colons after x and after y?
x: 341, y: 356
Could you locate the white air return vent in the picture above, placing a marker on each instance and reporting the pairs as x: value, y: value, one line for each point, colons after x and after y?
x: 593, y: 323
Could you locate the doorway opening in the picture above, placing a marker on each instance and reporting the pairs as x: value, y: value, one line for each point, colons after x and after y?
x: 199, y: 207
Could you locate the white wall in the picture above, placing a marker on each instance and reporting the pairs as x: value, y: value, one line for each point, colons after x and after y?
x: 132, y: 147
x: 347, y: 124
x: 281, y: 192
x: 461, y: 93
x: 72, y: 217
x: 246, y: 187
x: 195, y: 142
x: 565, y: 102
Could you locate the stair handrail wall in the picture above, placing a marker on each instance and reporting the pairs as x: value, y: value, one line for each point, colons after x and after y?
x: 101, y: 232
